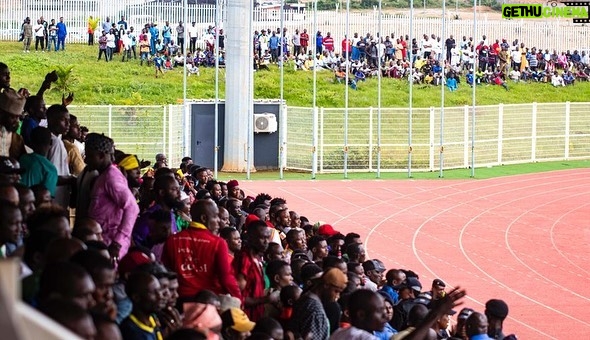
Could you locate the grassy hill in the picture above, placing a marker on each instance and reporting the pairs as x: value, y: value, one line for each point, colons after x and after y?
x: 101, y: 83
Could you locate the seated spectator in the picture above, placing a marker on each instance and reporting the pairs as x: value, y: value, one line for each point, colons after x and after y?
x: 452, y: 84
x: 236, y: 324
x: 568, y: 78
x: 144, y: 290
x: 557, y: 80
x: 71, y: 316
x: 366, y: 312
x: 499, y: 81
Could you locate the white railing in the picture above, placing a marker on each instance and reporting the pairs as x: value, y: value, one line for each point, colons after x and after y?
x: 504, y: 134
x: 546, y: 34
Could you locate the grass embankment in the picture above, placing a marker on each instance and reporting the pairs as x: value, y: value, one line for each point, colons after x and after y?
x: 117, y: 83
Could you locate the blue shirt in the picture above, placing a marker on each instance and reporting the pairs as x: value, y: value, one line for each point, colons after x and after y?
x: 26, y: 128
x: 480, y: 337
x: 61, y: 30
x: 386, y: 333
x: 273, y: 42
x: 319, y: 40
x: 166, y: 32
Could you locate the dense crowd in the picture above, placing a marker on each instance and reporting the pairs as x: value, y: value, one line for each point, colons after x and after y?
x: 113, y: 248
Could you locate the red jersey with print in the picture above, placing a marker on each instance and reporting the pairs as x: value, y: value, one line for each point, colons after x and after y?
x: 200, y: 260
x: 329, y: 43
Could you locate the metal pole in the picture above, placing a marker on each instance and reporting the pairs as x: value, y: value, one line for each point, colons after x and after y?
x: 216, y: 54
x: 282, y: 68
x: 250, y: 147
x: 442, y: 60
x: 411, y: 57
x: 379, y: 97
x: 346, y: 96
x: 184, y: 80
x: 315, y: 78
x: 473, y: 91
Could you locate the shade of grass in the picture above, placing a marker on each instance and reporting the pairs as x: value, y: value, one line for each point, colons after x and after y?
x: 101, y: 83
x: 480, y: 173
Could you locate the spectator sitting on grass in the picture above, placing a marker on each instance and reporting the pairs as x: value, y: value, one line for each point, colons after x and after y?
x: 557, y: 80
x: 452, y: 84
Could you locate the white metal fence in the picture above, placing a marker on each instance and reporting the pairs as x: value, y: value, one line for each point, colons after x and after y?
x: 504, y: 134
x: 557, y: 34
x: 141, y: 130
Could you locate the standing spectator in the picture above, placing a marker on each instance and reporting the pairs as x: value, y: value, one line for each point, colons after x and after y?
x: 123, y: 23
x: 249, y: 270
x: 45, y: 31
x: 112, y: 204
x: 199, y: 257
x: 304, y: 41
x: 366, y: 310
x: 102, y: 47
x: 328, y: 43
x: 180, y: 36
x: 36, y: 112
x: 62, y: 33
x: 296, y: 40
x: 449, y: 44
x: 496, y: 312
x: 154, y: 36
x: 273, y: 44
x: 75, y: 160
x: 11, y: 108
x: 476, y: 327
x: 27, y: 35
x: 192, y: 34
x: 144, y: 49
x: 52, y: 32
x: 133, y: 37
x: 58, y: 122
x: 106, y: 26
x: 166, y: 33
x: 90, y: 30
x: 319, y: 42
x: 39, y: 36
x: 38, y: 169
x: 110, y: 44
x: 309, y: 320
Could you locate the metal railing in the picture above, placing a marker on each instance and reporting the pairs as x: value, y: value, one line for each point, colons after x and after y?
x: 549, y: 34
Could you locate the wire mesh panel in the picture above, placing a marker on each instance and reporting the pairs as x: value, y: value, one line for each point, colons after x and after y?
x: 454, y: 134
x: 517, y: 133
x: 299, y: 138
x: 394, y: 138
x: 359, y: 138
x: 550, y: 131
x: 486, y: 135
x: 176, y: 148
x: 332, y: 140
x: 579, y: 130
x: 420, y: 139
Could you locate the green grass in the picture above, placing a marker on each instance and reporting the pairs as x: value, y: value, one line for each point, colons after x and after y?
x: 99, y: 83
x: 480, y: 173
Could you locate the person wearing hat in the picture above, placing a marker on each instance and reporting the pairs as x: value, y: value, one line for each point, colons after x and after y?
x: 408, y: 291
x: 10, y: 170
x: 112, y: 204
x: 438, y: 289
x: 309, y: 320
x: 236, y: 324
x: 11, y: 110
x: 374, y: 270
x: 461, y: 318
x: 37, y: 168
x: 496, y: 311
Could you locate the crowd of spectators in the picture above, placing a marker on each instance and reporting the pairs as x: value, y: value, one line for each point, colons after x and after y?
x: 113, y: 248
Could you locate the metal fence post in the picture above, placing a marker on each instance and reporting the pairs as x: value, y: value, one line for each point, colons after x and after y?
x: 314, y: 143
x: 370, y: 139
x: 164, y: 120
x: 534, y: 133
x: 171, y: 138
x: 321, y: 139
x: 466, y: 136
x: 500, y: 131
x: 567, y: 130
x: 431, y: 139
x: 110, y: 120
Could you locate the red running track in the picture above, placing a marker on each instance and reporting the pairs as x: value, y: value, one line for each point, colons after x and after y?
x: 523, y: 239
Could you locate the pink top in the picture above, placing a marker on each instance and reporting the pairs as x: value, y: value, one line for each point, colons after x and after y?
x: 113, y: 206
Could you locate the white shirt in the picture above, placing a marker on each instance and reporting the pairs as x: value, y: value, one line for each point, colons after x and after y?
x: 5, y: 142
x: 38, y: 30
x: 516, y: 56
x: 352, y: 333
x: 59, y: 157
x: 192, y: 31
x: 111, y: 40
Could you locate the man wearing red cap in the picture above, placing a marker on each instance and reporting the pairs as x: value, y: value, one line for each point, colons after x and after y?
x: 327, y: 230
x: 233, y: 189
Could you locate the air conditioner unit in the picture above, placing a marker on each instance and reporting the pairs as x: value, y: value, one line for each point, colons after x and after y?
x: 265, y: 123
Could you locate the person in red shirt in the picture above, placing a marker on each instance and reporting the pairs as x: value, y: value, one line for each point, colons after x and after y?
x: 248, y: 267
x: 304, y: 38
x: 329, y: 43
x: 199, y: 257
x: 346, y: 47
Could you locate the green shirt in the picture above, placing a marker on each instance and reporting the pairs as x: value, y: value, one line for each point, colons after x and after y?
x: 38, y: 170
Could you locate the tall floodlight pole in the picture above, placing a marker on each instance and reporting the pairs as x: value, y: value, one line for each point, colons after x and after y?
x: 250, y: 101
x: 379, y: 97
x: 186, y: 114
x: 473, y: 91
x: 442, y: 90
x: 411, y: 57
x: 314, y: 64
x: 345, y: 150
x: 216, y: 54
x: 238, y: 141
x: 282, y: 60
